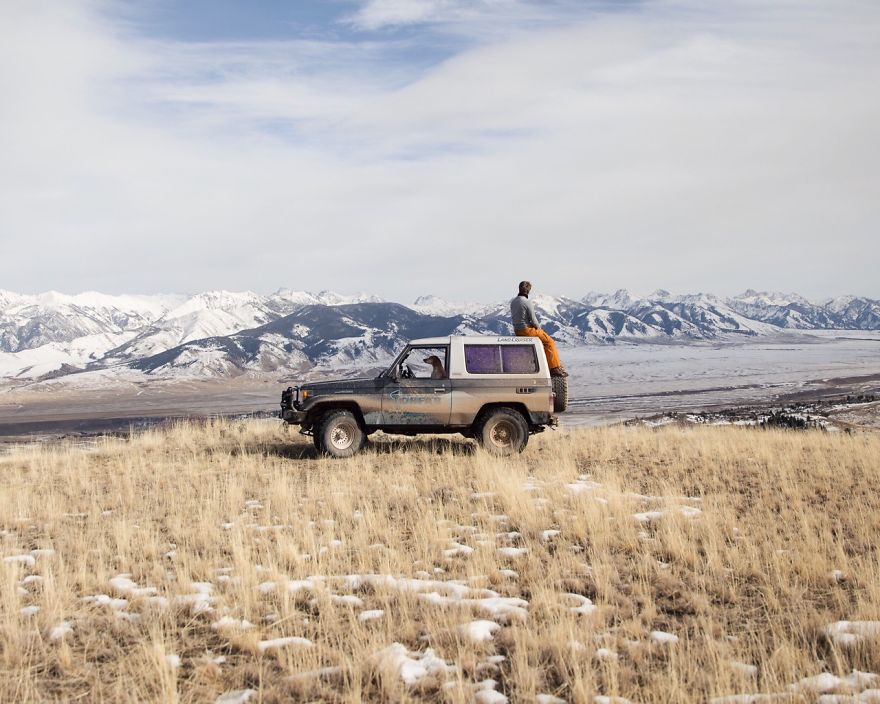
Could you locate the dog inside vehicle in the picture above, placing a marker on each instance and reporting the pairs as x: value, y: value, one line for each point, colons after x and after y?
x: 439, y: 372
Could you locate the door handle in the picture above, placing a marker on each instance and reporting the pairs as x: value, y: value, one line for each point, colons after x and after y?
x: 440, y: 391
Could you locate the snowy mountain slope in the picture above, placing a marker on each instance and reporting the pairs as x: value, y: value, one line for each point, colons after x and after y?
x: 855, y: 313
x: 362, y: 333
x: 222, y: 333
x: 63, y: 332
x: 783, y: 310
x: 434, y: 305
x: 54, y: 357
x: 603, y: 325
x: 293, y: 299
x: 205, y: 315
x: 712, y: 316
x: 28, y: 322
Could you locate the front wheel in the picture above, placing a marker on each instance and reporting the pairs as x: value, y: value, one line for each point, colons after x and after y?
x: 503, y: 431
x: 339, y: 434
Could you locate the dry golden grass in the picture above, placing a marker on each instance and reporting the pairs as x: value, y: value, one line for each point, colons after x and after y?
x: 746, y: 580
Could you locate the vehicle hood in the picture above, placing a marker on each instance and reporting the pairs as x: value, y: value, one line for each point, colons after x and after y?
x: 338, y: 387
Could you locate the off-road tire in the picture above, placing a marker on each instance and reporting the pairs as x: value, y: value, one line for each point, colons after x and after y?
x: 338, y: 434
x: 502, y: 431
x: 560, y: 389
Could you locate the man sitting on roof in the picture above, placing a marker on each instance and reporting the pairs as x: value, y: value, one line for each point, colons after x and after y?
x: 525, y: 324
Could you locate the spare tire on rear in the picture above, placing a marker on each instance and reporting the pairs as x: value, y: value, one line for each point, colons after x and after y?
x: 560, y: 389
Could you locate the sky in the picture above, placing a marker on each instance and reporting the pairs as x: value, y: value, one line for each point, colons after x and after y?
x: 447, y: 147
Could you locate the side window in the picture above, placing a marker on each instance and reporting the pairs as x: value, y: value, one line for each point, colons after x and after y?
x: 425, y: 363
x: 482, y: 359
x: 519, y: 359
x: 500, y: 359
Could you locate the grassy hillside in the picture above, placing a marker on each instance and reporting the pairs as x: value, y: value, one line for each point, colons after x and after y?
x: 674, y: 565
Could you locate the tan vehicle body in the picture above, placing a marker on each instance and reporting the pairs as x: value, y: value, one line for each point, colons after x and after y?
x: 482, y: 374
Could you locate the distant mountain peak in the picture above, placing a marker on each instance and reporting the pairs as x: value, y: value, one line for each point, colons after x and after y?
x: 770, y: 298
x: 435, y: 305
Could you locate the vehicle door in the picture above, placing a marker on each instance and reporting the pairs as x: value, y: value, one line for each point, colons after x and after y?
x: 419, y: 391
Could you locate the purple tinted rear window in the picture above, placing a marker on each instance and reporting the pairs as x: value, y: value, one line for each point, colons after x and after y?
x: 482, y: 359
x: 519, y: 359
x: 500, y: 359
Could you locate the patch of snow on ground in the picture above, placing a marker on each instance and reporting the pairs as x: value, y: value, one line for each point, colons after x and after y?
x: 105, y: 600
x: 370, y: 614
x: 584, y: 605
x: 265, y: 645
x: 653, y: 516
x: 346, y: 600
x: 869, y: 696
x: 479, y: 631
x: 200, y: 601
x: 412, y: 667
x: 232, y: 623
x: 512, y: 552
x: 458, y: 549
x: 27, y: 560
x: 583, y: 483
x: 487, y: 694
x: 663, y: 637
x: 743, y: 668
x: 236, y: 696
x: 58, y: 631
x: 848, y: 633
x: 123, y: 583
x: 826, y: 682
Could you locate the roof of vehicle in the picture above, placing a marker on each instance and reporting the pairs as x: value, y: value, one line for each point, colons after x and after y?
x: 485, y: 339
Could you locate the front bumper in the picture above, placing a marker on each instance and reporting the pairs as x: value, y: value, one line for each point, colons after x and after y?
x: 293, y: 417
x: 289, y: 401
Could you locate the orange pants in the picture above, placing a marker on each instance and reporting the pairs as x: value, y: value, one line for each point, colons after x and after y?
x: 547, y: 341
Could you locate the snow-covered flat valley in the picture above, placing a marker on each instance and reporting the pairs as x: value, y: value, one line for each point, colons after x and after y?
x: 608, y: 383
x: 613, y: 382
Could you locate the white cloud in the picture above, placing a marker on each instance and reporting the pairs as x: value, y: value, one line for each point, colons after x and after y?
x: 665, y: 146
x: 382, y: 13
x: 469, y: 17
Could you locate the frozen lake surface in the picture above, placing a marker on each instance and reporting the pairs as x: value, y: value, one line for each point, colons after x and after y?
x: 623, y: 381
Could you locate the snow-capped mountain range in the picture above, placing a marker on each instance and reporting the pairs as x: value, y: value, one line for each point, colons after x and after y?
x: 225, y: 334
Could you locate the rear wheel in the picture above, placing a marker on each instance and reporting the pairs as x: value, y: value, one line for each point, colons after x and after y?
x: 560, y: 389
x: 503, y: 431
x: 339, y: 434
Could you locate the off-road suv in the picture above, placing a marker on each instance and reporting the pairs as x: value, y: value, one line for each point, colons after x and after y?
x: 495, y: 389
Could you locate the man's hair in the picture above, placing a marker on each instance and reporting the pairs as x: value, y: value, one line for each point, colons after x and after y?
x: 524, y: 288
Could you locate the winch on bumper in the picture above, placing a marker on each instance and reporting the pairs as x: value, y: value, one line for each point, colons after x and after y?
x: 289, y: 402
